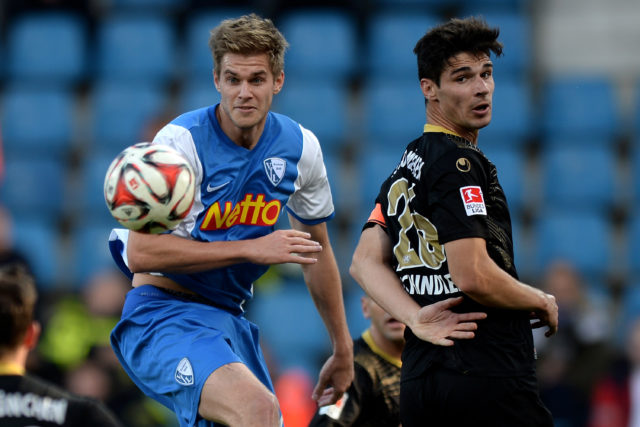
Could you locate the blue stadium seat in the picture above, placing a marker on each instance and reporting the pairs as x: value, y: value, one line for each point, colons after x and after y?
x: 89, y: 196
x: 89, y: 250
x: 515, y: 34
x: 323, y: 43
x: 391, y: 37
x: 353, y: 308
x: 582, y: 107
x: 579, y: 177
x: 122, y: 113
x: 291, y: 327
x: 394, y: 113
x: 633, y: 246
x: 40, y: 242
x: 34, y: 187
x: 148, y: 5
x: 47, y: 47
x: 373, y: 168
x: 38, y: 121
x: 318, y: 105
x: 198, y: 94
x: 511, y: 165
x: 512, y: 114
x: 136, y: 47
x: 198, y: 56
x: 579, y: 236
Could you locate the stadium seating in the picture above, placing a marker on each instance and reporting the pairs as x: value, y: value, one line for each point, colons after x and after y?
x: 37, y: 120
x: 323, y: 43
x: 292, y: 330
x: 580, y: 236
x: 512, y: 173
x: 579, y: 107
x: 512, y: 113
x: 199, y: 62
x: 121, y: 113
x: 633, y: 245
x: 391, y: 37
x: 48, y: 47
x: 136, y: 48
x: 40, y: 242
x: 197, y: 94
x: 89, y: 250
x: 321, y: 106
x: 579, y: 177
x: 394, y: 113
x: 34, y: 188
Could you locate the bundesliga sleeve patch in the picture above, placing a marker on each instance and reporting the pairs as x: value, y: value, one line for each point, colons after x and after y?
x: 473, y: 200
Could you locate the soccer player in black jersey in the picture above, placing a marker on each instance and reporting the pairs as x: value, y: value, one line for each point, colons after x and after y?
x: 373, y: 397
x: 26, y: 400
x: 441, y: 228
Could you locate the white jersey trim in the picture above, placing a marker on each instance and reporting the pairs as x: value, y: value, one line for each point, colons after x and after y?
x: 311, y: 199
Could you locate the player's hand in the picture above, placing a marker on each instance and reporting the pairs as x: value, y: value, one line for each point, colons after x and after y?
x: 335, y: 378
x: 283, y: 246
x: 548, y: 316
x: 437, y: 324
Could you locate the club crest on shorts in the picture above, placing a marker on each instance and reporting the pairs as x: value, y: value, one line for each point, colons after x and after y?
x: 275, y: 167
x: 473, y: 200
x: 184, y: 372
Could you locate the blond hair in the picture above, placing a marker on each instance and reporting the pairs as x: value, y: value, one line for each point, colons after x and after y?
x: 246, y: 35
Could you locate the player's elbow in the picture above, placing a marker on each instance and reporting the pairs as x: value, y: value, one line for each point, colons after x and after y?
x: 472, y: 281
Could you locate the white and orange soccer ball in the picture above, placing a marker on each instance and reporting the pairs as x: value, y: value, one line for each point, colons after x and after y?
x: 149, y: 188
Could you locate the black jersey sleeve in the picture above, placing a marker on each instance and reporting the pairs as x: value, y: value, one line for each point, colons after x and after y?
x: 456, y: 198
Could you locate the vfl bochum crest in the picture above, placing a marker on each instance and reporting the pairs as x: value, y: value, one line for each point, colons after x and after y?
x: 274, y: 167
x: 184, y: 372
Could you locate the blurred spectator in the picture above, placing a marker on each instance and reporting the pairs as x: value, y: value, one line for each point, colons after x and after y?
x: 615, y: 401
x: 570, y: 364
x: 27, y: 399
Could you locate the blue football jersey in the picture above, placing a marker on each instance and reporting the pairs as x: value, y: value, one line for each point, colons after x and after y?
x: 241, y: 193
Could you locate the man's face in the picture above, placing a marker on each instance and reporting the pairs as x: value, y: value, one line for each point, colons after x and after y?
x: 246, y: 85
x: 465, y: 92
x: 391, y: 329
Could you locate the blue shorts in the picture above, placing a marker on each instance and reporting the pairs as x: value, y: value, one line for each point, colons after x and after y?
x: 169, y: 346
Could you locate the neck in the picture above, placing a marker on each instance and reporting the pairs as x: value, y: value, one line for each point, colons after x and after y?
x: 247, y: 138
x: 435, y: 117
x: 13, y: 363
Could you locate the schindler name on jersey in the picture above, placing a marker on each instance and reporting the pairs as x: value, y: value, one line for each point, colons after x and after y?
x: 433, y: 284
x: 29, y: 405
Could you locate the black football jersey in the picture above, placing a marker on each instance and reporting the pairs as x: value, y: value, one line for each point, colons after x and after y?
x: 373, y: 399
x: 445, y: 189
x: 29, y: 401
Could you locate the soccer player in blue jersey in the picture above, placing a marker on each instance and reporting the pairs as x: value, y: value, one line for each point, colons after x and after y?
x: 182, y: 337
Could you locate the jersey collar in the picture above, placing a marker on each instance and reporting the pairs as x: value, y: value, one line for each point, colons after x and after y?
x: 436, y: 128
x: 366, y: 336
x: 9, y: 368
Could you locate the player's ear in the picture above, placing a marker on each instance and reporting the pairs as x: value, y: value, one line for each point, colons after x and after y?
x: 364, y: 302
x: 428, y: 87
x: 278, y: 83
x: 216, y: 80
x: 32, y: 335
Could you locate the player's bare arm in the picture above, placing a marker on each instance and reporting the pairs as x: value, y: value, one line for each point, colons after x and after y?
x: 478, y: 276
x: 169, y: 253
x: 371, y: 268
x: 325, y: 287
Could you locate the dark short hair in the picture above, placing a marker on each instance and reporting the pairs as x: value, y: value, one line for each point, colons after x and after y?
x: 441, y: 43
x: 17, y: 301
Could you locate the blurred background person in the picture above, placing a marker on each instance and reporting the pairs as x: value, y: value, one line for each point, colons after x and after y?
x: 28, y: 400
x: 373, y: 398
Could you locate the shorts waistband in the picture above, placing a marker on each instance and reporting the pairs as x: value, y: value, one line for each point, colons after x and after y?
x: 156, y: 291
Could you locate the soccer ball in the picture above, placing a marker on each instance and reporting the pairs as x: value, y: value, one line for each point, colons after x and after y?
x: 149, y: 188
